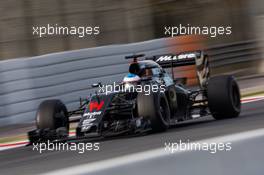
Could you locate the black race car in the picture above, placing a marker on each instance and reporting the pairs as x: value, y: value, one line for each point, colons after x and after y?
x: 127, y: 109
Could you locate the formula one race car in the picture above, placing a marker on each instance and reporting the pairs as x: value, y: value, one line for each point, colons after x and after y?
x: 147, y: 100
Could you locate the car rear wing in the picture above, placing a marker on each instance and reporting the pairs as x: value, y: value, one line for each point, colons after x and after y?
x: 197, y: 58
x: 176, y: 60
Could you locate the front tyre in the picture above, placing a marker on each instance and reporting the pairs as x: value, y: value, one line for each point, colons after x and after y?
x: 154, y: 107
x: 223, y: 97
x: 53, y: 115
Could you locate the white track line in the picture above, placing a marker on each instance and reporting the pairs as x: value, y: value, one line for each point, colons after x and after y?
x: 15, y: 144
x: 147, y: 155
x: 252, y: 99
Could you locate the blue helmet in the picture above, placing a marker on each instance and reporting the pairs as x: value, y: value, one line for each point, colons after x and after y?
x: 129, y: 78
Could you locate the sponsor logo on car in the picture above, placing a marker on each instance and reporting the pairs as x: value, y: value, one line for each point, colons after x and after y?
x: 176, y: 57
x: 88, y: 121
x: 92, y: 114
x: 96, y: 105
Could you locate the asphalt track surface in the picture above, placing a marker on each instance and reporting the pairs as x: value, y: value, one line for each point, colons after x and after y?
x: 24, y: 160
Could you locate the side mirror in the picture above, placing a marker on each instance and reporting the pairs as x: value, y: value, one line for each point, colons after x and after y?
x: 95, y: 85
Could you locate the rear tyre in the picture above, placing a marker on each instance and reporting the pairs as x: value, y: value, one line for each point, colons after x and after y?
x: 223, y: 97
x: 154, y: 107
x: 53, y: 115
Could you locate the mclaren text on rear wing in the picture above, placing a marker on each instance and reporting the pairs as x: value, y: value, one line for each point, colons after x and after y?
x: 175, y: 60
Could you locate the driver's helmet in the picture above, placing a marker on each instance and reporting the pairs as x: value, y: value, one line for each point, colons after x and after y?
x: 131, y: 80
x: 134, y: 68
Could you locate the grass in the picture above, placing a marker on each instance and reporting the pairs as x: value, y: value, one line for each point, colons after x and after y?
x: 13, y: 138
x: 252, y: 94
x: 17, y: 138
